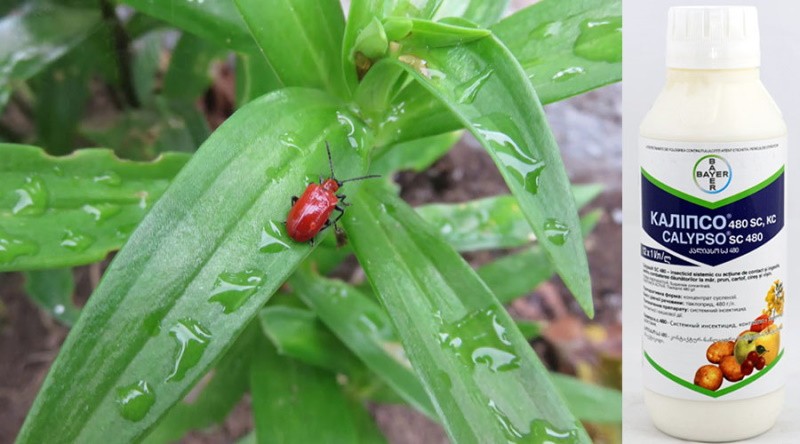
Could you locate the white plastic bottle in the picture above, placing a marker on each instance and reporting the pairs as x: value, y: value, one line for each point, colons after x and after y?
x: 713, y: 244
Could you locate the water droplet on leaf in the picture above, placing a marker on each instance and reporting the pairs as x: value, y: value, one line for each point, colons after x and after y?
x: 192, y: 339
x: 109, y: 178
x: 545, y: 31
x: 232, y: 290
x: 135, y: 400
x: 31, y: 198
x: 76, y: 241
x: 568, y: 73
x: 350, y: 128
x: 543, y: 431
x: 600, y: 40
x: 469, y: 340
x: 271, y: 242
x: 467, y: 92
x: 556, y: 231
x: 524, y: 168
x: 289, y: 140
x: 101, y: 212
x: 12, y: 247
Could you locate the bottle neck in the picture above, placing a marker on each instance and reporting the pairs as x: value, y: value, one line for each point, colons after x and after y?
x: 675, y: 75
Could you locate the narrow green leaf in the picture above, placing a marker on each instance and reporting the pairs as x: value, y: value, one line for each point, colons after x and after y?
x: 412, y: 8
x: 62, y: 91
x: 301, y: 40
x: 520, y: 273
x: 200, y: 265
x: 360, y: 16
x: 566, y: 48
x: 590, y: 402
x: 489, y: 223
x: 299, y: 334
x: 372, y: 40
x: 215, y: 21
x: 52, y: 290
x: 484, y: 86
x: 483, y: 378
x: 35, y: 36
x: 282, y: 387
x: 482, y: 12
x: 229, y: 382
x: 189, y: 73
x: 437, y: 34
x: 144, y: 133
x: 254, y: 78
x: 532, y: 330
x: 73, y: 210
x: 415, y: 155
x: 366, y: 330
x: 146, y: 63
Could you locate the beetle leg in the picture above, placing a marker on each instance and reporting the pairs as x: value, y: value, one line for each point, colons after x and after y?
x: 342, y: 197
x: 341, y: 213
x: 294, y: 200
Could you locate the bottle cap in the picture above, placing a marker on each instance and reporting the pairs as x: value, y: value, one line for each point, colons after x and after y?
x: 713, y: 37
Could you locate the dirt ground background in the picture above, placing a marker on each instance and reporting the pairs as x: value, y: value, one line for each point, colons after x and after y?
x: 588, y: 129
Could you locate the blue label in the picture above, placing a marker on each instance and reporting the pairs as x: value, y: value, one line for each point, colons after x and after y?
x: 712, y: 236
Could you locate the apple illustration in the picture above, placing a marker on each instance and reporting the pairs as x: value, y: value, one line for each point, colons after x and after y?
x: 766, y: 343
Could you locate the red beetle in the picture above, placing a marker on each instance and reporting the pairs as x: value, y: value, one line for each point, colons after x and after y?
x: 310, y: 213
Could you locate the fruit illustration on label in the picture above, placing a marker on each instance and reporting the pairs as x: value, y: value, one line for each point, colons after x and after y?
x: 753, y: 350
x: 708, y: 377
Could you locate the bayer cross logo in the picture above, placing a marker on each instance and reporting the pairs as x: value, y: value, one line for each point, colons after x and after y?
x: 712, y: 174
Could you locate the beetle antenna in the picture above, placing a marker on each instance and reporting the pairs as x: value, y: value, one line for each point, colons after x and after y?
x: 330, y: 160
x: 371, y: 176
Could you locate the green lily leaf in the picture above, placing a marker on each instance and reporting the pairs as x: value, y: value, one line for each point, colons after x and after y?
x: 590, y: 402
x: 37, y: 35
x: 189, y: 75
x: 566, y: 48
x: 301, y: 41
x: 436, y: 34
x: 226, y: 387
x: 589, y: 28
x: 484, y: 86
x: 520, y: 273
x: 298, y: 333
x: 215, y: 21
x: 366, y: 329
x: 144, y: 133
x: 254, y: 78
x: 482, y: 12
x: 483, y: 378
x: 52, y: 290
x: 73, y: 210
x: 411, y: 8
x: 281, y: 387
x: 415, y: 155
x: 145, y: 65
x: 489, y: 223
x: 62, y: 91
x: 203, y: 261
x: 361, y: 14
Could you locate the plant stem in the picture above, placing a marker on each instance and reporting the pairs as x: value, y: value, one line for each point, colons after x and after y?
x: 122, y: 46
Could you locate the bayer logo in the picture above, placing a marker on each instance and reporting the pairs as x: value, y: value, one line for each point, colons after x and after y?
x: 712, y: 174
